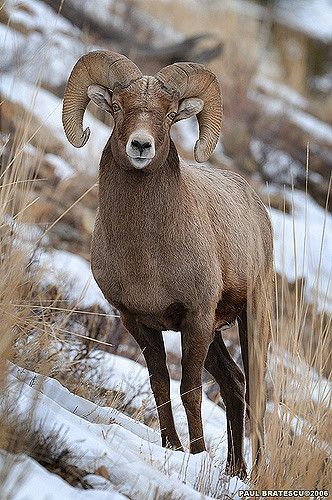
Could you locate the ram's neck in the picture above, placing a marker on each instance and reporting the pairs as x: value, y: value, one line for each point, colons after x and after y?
x: 134, y: 198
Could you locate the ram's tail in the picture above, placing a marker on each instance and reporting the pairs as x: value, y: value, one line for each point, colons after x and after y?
x: 258, y: 321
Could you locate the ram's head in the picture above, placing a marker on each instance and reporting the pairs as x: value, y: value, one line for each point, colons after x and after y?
x: 143, y: 107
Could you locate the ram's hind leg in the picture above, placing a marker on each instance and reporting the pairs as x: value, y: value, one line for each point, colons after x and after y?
x: 243, y: 335
x: 152, y: 345
x: 232, y: 388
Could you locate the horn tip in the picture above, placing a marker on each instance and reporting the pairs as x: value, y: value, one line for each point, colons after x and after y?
x: 85, y: 136
x: 82, y: 140
x: 201, y: 153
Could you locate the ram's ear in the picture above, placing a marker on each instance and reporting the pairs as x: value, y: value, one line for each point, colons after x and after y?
x: 101, y: 96
x: 188, y: 108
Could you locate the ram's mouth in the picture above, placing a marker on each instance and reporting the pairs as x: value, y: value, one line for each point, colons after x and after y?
x: 139, y: 161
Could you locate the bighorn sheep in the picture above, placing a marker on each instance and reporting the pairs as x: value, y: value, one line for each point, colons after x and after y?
x: 177, y: 246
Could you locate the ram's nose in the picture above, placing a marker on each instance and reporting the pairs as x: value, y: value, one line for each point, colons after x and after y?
x: 140, y: 148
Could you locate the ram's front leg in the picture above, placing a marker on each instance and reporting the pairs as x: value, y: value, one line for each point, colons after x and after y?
x: 197, y: 334
x: 152, y: 345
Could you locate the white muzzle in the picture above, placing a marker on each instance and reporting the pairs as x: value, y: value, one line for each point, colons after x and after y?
x: 140, y: 148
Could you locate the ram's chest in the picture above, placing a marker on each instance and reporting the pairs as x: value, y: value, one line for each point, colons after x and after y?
x: 143, y: 275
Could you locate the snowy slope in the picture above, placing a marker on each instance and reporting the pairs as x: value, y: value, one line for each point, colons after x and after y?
x: 131, y: 453
x: 34, y: 481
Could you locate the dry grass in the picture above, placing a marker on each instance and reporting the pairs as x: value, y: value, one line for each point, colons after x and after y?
x: 298, y: 447
x: 298, y: 423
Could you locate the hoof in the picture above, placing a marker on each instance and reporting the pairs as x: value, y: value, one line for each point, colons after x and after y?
x: 238, y: 469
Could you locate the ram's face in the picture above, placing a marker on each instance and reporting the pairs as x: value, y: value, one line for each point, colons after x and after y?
x: 143, y: 114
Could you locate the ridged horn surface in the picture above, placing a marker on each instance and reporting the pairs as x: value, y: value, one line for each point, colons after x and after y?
x: 194, y: 80
x: 104, y: 68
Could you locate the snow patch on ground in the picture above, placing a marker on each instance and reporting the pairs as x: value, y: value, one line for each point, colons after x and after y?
x: 122, y: 374
x: 185, y: 133
x: 314, y: 388
x: 10, y: 43
x: 303, y: 247
x: 281, y: 91
x: 48, y: 109
x: 313, y: 17
x: 276, y: 164
x: 137, y: 465
x: 74, y: 275
x: 24, y: 479
x: 49, y: 47
x: 35, y: 15
x: 172, y: 341
x: 316, y: 128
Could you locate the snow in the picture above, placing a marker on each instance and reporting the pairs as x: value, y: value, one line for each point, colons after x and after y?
x: 59, y: 266
x: 26, y: 236
x: 318, y: 129
x: 50, y: 57
x: 62, y: 169
x: 111, y: 13
x: 10, y: 43
x: 106, y: 13
x: 137, y: 465
x: 303, y: 247
x: 26, y: 479
x: 280, y: 90
x: 185, y: 133
x: 74, y: 273
x: 313, y: 17
x: 172, y: 341
x: 305, y: 383
x: 276, y: 164
x: 50, y: 47
x: 35, y: 15
x: 322, y: 83
x: 305, y: 387
x: 122, y: 374
x: 48, y: 108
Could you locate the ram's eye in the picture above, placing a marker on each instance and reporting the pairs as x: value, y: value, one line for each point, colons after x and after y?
x: 115, y: 107
x: 171, y: 115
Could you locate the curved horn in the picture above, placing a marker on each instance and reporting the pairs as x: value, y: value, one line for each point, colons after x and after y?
x: 104, y: 68
x: 194, y: 80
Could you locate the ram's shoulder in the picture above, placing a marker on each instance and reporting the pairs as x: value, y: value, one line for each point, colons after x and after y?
x: 206, y: 175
